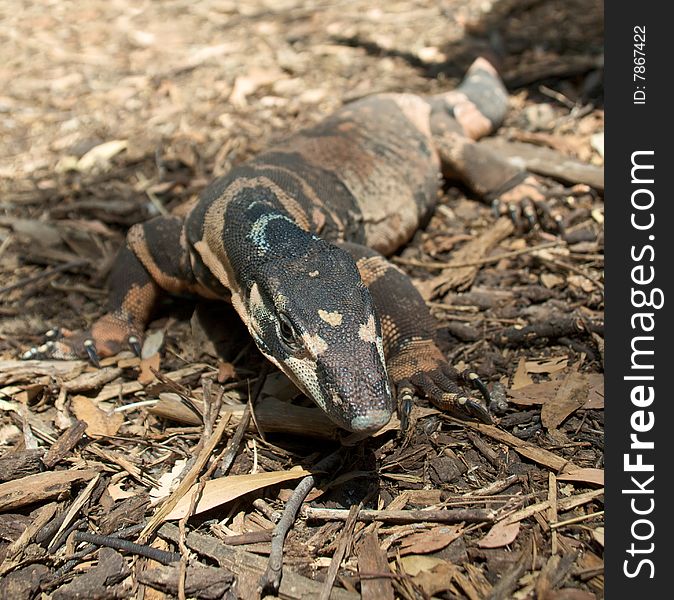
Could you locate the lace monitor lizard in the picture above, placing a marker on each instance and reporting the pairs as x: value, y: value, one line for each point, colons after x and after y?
x: 296, y: 238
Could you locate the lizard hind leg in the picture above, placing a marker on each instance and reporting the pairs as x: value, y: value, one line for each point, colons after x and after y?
x: 414, y: 361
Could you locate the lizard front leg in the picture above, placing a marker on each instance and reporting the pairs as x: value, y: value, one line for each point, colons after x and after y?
x: 413, y: 359
x: 154, y: 261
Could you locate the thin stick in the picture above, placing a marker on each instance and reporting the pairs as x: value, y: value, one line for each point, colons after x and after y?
x: 271, y: 579
x: 161, y: 556
x: 475, y: 263
x: 402, y: 516
x: 576, y: 519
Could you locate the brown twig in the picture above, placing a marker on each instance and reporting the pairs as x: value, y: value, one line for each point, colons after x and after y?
x: 271, y: 580
x: 402, y: 516
x: 161, y: 556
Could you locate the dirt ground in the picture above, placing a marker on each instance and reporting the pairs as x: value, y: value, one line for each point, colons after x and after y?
x: 114, y: 112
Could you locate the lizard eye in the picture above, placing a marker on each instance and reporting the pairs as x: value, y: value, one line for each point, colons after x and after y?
x: 288, y: 333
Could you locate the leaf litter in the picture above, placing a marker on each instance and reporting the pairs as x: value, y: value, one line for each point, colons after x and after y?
x: 116, y: 115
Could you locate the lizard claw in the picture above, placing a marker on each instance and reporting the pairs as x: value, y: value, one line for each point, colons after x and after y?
x: 106, y: 337
x: 90, y: 349
x: 475, y: 409
x: 472, y: 378
x: 423, y: 368
x: 134, y: 344
x: 55, y: 333
x: 526, y: 204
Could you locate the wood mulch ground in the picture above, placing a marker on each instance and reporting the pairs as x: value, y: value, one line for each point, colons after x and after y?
x: 113, y: 112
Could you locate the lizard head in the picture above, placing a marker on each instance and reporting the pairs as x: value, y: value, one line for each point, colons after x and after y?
x: 313, y: 317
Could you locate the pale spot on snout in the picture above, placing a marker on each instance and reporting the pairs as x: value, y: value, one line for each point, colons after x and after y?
x: 332, y: 318
x: 368, y: 331
x: 315, y: 344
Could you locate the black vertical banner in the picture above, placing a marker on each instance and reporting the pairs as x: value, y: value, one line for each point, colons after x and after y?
x: 639, y: 274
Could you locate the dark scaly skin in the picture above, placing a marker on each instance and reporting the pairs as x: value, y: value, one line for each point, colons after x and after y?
x: 295, y: 239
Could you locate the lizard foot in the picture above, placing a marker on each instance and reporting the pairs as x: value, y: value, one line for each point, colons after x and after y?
x: 107, y: 337
x: 530, y: 204
x: 421, y: 367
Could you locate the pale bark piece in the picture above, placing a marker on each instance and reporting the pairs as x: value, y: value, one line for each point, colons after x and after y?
x: 207, y: 583
x: 538, y: 455
x: 371, y: 563
x: 41, y: 486
x: 249, y: 567
x: 462, y: 277
x: 27, y: 370
x: 92, y: 380
x: 271, y: 415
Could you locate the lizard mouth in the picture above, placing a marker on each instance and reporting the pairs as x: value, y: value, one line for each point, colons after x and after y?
x: 373, y: 421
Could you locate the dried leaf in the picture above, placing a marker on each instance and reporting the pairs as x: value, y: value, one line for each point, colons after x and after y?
x: 521, y: 377
x: 415, y: 564
x: 586, y: 475
x: 431, y: 540
x: 540, y: 393
x: 167, y: 482
x: 571, y: 395
x: 548, y: 364
x: 99, y: 423
x: 117, y: 493
x: 501, y: 534
x: 436, y: 580
x: 220, y: 491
